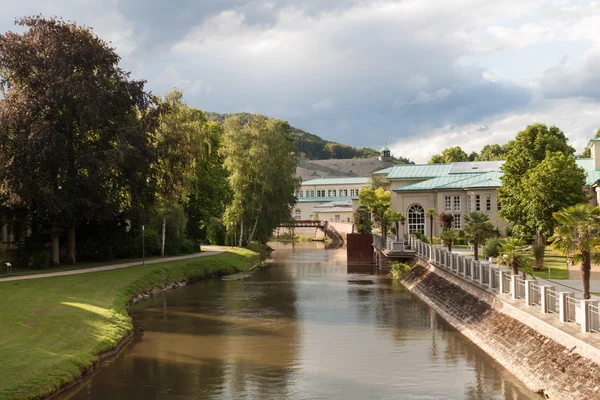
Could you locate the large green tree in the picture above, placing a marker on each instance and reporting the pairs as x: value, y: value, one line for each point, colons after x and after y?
x: 533, y: 174
x: 449, y: 155
x: 577, y: 235
x: 180, y: 143
x: 378, y: 202
x: 260, y: 159
x: 75, y: 142
x: 492, y: 152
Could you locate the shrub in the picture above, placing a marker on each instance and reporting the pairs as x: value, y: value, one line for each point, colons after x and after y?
x: 492, y: 247
x: 399, y: 270
x: 39, y: 260
x: 216, y: 232
x: 538, y: 250
x: 189, y: 246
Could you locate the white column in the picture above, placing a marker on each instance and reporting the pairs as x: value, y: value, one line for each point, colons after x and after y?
x: 544, y: 297
x: 480, y: 268
x: 562, y: 305
x: 585, y: 315
x: 501, y: 285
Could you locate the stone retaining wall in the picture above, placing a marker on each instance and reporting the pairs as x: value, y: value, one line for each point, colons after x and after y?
x: 543, y: 364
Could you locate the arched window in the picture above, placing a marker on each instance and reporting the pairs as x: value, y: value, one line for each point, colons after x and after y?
x: 297, y: 214
x: 416, y: 219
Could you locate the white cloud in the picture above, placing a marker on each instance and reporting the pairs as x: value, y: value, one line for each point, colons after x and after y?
x: 576, y: 117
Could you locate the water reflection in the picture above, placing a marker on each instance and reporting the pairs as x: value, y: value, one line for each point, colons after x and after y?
x: 304, y: 329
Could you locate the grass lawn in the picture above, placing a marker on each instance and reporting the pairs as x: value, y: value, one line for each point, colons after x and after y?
x: 52, y: 329
x: 557, y: 264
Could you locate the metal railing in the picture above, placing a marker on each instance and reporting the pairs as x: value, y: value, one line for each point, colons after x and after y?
x: 552, y: 302
x: 505, y: 283
x: 594, y: 318
x: 475, y: 269
x: 519, y: 288
x: 468, y: 266
x: 486, y: 275
x: 495, y: 279
x: 571, y: 304
x: 535, y: 294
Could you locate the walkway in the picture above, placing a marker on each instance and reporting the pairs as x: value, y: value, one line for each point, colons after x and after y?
x: 210, y: 250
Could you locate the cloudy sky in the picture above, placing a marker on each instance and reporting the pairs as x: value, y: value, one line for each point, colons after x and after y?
x: 419, y: 75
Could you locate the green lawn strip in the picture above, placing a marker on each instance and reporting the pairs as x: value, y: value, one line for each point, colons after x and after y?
x: 52, y: 329
x: 79, y: 265
x: 557, y: 264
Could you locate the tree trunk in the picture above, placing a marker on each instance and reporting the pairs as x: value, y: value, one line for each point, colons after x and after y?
x: 241, y: 233
x: 163, y: 236
x: 586, y: 267
x: 55, y: 249
x: 255, y: 225
x: 476, y: 251
x: 431, y: 231
x: 450, y: 247
x: 71, y: 257
x: 541, y: 241
x: 515, y: 266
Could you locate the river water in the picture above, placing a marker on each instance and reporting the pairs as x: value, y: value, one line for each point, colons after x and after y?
x: 302, y: 328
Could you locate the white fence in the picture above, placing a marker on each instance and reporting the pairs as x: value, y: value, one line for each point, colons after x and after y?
x: 390, y: 244
x: 490, y: 277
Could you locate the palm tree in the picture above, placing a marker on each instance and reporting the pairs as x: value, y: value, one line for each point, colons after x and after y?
x: 513, y: 254
x: 477, y: 228
x: 577, y: 236
x: 432, y: 215
x: 448, y: 237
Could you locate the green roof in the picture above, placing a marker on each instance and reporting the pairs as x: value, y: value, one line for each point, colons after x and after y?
x: 408, y: 171
x: 383, y: 171
x: 592, y: 174
x: 457, y: 181
x: 325, y: 199
x: 338, y: 181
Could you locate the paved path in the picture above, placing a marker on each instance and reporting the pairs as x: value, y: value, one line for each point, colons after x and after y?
x: 207, y: 251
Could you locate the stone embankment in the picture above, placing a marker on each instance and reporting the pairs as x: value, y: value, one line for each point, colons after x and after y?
x: 542, y: 363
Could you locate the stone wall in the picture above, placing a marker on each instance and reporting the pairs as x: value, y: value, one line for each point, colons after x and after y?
x: 542, y: 363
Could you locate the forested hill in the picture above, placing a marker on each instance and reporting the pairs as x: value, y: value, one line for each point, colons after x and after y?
x: 312, y: 146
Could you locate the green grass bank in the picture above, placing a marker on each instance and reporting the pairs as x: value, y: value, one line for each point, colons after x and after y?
x: 52, y: 330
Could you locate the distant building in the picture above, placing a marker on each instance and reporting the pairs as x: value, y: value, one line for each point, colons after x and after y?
x: 330, y: 188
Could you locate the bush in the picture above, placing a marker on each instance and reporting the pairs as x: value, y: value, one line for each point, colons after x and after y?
x: 189, y: 246
x: 151, y: 241
x: 216, y: 232
x: 399, y: 270
x: 39, y: 260
x: 492, y: 247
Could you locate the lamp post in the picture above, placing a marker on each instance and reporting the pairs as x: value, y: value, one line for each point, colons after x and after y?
x: 143, y: 247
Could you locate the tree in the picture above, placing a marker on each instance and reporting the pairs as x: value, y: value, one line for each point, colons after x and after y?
x: 555, y: 183
x: 477, y: 229
x: 449, y: 155
x: 362, y: 221
x: 446, y: 220
x: 379, y: 181
x: 492, y: 152
x: 513, y: 254
x: 521, y: 206
x: 75, y: 130
x: 180, y: 143
x: 260, y: 159
x: 378, y: 202
x: 431, y: 215
x: 577, y: 235
x: 448, y: 237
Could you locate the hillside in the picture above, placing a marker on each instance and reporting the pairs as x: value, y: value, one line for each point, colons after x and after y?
x: 314, y: 147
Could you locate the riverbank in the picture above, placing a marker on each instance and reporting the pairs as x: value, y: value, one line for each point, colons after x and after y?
x: 535, y: 352
x: 53, y: 330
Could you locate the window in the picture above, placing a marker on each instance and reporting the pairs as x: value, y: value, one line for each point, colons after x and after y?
x: 456, y: 204
x: 470, y: 203
x: 343, y: 192
x: 477, y: 202
x: 299, y: 193
x: 456, y: 221
x: 447, y: 203
x: 312, y: 193
x: 320, y: 193
x: 337, y: 217
x: 498, y: 205
x: 416, y: 219
x: 297, y: 214
x: 488, y: 203
x: 353, y: 192
x: 348, y: 219
x: 331, y: 193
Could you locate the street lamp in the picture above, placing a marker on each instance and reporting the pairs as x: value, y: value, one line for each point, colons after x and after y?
x: 143, y: 247
x: 8, y: 268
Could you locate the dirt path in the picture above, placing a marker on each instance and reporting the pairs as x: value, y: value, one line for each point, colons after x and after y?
x: 208, y: 252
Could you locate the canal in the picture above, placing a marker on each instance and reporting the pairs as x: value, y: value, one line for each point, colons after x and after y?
x: 302, y: 328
